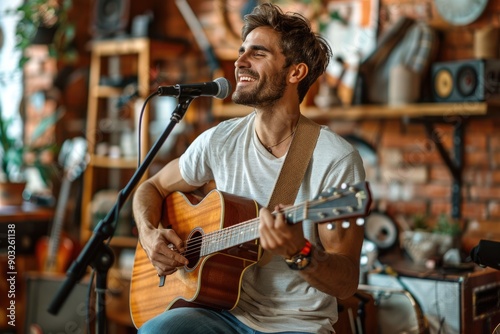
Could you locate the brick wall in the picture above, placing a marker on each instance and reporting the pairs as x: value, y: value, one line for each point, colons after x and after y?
x: 411, y: 177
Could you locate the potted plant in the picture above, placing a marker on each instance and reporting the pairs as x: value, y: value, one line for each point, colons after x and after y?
x: 13, y: 160
x: 424, y: 242
x: 39, y: 22
x: 45, y: 22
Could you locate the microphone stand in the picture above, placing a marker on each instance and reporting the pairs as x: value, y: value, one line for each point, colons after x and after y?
x: 96, y: 252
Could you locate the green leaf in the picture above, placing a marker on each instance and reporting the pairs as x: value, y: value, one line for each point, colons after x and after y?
x: 45, y: 124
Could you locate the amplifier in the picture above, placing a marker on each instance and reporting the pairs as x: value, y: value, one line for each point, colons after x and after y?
x: 459, y: 303
x: 467, y: 80
x: 40, y: 290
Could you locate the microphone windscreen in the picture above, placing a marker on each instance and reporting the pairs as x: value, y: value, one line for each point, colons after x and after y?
x: 224, y: 88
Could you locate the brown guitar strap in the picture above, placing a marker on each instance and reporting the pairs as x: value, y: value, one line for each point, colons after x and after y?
x: 295, y: 164
x: 294, y: 168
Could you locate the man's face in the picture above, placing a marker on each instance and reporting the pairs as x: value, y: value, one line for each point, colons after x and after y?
x: 261, y: 78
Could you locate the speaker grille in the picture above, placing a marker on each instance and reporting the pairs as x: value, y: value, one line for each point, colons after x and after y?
x: 486, y: 300
x: 110, y: 17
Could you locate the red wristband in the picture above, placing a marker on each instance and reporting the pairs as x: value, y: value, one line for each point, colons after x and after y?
x: 306, y: 250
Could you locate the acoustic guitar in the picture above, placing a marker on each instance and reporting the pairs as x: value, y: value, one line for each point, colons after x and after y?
x: 54, y: 252
x: 220, y: 233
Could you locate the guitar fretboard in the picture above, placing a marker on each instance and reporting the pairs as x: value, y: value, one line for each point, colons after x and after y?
x: 346, y: 204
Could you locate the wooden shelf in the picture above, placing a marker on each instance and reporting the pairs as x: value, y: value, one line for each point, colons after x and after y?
x: 106, y: 91
x: 126, y: 46
x: 364, y: 112
x: 124, y: 58
x: 107, y: 162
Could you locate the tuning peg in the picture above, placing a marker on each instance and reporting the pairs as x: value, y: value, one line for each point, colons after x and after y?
x: 326, y: 194
x: 346, y: 224
x: 330, y: 226
x: 360, y: 221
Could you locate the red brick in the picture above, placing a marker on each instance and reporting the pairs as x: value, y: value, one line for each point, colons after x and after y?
x: 397, y: 140
x: 495, y: 177
x: 473, y: 210
x: 483, y: 126
x: 495, y: 159
x: 478, y: 176
x: 433, y: 191
x: 477, y: 159
x: 495, y: 142
x: 448, y: 53
x: 419, y: 157
x: 475, y: 141
x: 392, y: 126
x: 413, y: 129
x: 414, y: 207
x: 484, y: 193
x: 439, y: 173
x: 458, y: 37
x: 405, y: 174
x: 370, y: 126
x: 440, y: 207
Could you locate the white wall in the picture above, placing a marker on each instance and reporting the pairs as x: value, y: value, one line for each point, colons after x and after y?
x: 11, y: 88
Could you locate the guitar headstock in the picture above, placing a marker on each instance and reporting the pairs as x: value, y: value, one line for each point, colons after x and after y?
x: 348, y: 201
x: 73, y: 157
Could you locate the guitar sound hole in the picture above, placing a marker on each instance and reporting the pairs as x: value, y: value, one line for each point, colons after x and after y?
x: 193, y: 249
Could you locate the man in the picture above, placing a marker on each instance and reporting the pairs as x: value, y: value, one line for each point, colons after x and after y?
x: 279, y: 59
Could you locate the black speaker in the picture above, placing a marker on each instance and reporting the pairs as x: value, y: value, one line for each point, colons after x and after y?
x: 466, y: 80
x: 111, y: 18
x: 40, y: 290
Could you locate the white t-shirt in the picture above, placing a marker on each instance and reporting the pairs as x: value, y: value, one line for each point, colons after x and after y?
x: 273, y: 297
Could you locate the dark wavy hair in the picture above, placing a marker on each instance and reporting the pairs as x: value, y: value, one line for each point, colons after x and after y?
x: 299, y: 43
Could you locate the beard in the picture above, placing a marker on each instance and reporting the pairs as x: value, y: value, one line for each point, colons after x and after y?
x: 264, y: 94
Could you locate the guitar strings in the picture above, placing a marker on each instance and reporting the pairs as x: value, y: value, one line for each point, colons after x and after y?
x: 195, y: 245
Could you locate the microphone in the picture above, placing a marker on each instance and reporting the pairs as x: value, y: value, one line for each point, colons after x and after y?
x: 486, y: 254
x: 219, y: 88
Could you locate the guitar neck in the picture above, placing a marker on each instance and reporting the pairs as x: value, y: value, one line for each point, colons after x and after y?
x: 57, y: 225
x: 350, y: 203
x: 229, y: 237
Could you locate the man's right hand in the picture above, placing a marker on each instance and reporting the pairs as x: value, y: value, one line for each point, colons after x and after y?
x: 164, y: 249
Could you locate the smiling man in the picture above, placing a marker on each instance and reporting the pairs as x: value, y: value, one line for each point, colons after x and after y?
x: 309, y: 265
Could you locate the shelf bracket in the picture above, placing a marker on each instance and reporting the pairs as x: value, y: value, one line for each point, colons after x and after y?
x: 454, y: 162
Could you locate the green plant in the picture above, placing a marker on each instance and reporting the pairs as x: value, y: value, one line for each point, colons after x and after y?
x: 444, y: 225
x: 420, y: 223
x: 45, y: 15
x: 35, y: 16
x: 13, y: 151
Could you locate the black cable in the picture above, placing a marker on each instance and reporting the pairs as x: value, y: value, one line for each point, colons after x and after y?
x: 139, y: 130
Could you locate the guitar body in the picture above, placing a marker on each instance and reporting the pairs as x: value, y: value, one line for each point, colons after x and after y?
x: 220, y: 272
x: 58, y: 262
